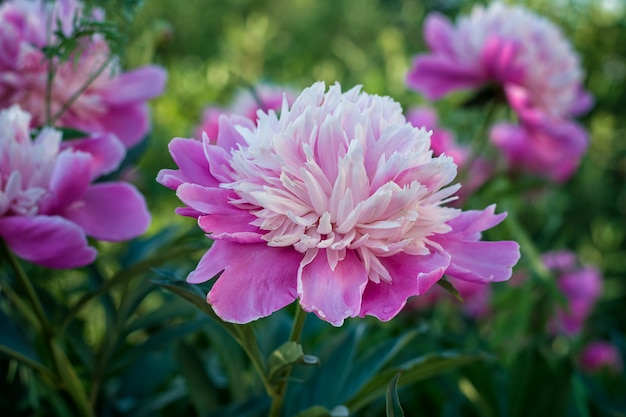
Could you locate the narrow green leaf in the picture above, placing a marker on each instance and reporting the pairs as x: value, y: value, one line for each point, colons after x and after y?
x: 243, y: 333
x: 71, y: 381
x: 447, y: 285
x: 393, y: 407
x: 414, y: 370
x: 375, y: 359
x: 200, y: 388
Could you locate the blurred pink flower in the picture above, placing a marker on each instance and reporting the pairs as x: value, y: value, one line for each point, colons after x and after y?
x: 48, y: 205
x: 476, y: 297
x: 530, y: 59
x: 113, y: 102
x: 598, y: 355
x: 443, y: 142
x: 551, y: 149
x: 246, y: 104
x: 581, y: 286
x: 338, y: 202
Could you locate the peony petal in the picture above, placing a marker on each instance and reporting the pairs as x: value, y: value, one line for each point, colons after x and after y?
x: 207, y: 200
x: 135, y: 86
x: 439, y: 34
x: 583, y: 102
x: 410, y: 276
x: 471, y: 259
x: 106, y: 151
x: 193, y: 166
x: 111, y: 211
x: 500, y: 60
x: 227, y: 135
x: 231, y: 226
x: 435, y: 76
x: 332, y: 295
x: 130, y: 123
x: 257, y: 280
x: 69, y: 181
x: 482, y: 261
x: 49, y: 241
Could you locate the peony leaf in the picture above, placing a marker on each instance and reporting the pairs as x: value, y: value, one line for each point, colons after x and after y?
x: 447, y: 285
x: 417, y: 369
x: 393, y: 402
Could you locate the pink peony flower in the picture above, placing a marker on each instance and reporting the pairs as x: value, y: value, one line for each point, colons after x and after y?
x: 582, y: 287
x: 533, y: 63
x: 47, y: 202
x: 113, y: 102
x: 246, y: 104
x: 443, y: 142
x: 598, y: 355
x: 337, y: 202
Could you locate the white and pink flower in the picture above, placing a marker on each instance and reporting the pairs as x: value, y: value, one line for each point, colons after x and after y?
x: 531, y: 61
x: 48, y: 204
x: 112, y: 101
x: 337, y: 202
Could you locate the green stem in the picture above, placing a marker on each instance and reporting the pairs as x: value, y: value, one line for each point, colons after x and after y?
x: 281, y: 387
x: 80, y: 91
x: 43, y: 323
x: 71, y: 382
x: 120, y: 277
x: 480, y: 139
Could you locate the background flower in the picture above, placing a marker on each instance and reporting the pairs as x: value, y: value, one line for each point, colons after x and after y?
x: 112, y: 101
x: 338, y: 202
x: 581, y: 286
x: 598, y: 355
x: 531, y: 61
x: 48, y: 205
x: 443, y: 142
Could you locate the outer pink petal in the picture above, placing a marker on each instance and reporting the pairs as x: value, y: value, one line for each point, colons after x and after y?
x: 436, y: 75
x: 257, y: 280
x: 135, y: 86
x: 112, y: 212
x: 49, y: 241
x: 69, y: 182
x: 208, y: 200
x: 439, y: 34
x: 194, y: 167
x: 471, y: 223
x: 482, y: 261
x: 332, y: 295
x: 410, y: 275
x: 130, y: 122
x: 106, y: 151
x: 471, y: 259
